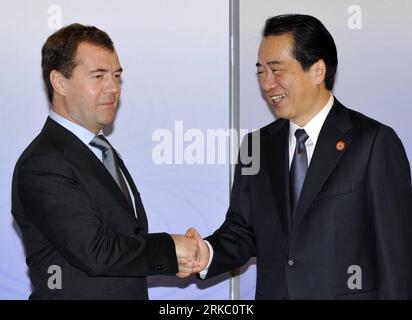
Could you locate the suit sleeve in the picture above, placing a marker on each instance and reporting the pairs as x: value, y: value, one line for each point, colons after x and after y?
x: 234, y: 243
x: 390, y: 200
x: 56, y: 204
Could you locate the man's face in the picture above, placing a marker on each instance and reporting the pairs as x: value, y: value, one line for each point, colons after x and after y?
x: 289, y: 90
x: 93, y: 90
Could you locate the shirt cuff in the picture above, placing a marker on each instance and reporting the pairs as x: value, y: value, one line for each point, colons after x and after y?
x: 203, y: 273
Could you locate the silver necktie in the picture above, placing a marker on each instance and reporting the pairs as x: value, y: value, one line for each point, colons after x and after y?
x: 298, y: 168
x: 111, y: 163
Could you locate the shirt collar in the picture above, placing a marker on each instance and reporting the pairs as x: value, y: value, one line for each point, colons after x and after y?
x: 314, y: 126
x: 80, y: 132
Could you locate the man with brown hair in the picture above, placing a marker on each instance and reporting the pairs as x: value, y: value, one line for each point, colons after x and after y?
x: 81, y: 217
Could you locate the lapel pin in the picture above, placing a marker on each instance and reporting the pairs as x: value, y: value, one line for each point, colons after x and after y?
x: 340, y: 145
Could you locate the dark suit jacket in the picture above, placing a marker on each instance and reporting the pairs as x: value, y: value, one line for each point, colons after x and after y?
x: 355, y: 209
x: 72, y: 214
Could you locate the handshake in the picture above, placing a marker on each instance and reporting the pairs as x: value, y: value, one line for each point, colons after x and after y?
x: 192, y: 253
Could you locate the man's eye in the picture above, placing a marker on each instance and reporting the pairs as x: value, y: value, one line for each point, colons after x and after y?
x: 275, y: 71
x: 98, y: 76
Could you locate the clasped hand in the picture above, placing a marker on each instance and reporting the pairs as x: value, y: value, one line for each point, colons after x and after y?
x: 192, y: 253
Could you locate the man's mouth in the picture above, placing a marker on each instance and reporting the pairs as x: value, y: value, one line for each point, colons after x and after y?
x: 108, y: 103
x: 277, y: 98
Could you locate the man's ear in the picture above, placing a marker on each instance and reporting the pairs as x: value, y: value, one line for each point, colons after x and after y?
x: 319, y: 72
x: 58, y: 82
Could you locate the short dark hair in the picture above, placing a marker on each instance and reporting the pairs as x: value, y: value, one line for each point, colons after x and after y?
x: 312, y: 41
x: 59, y: 51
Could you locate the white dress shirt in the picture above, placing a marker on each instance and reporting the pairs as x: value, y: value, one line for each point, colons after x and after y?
x: 312, y: 129
x: 86, y: 137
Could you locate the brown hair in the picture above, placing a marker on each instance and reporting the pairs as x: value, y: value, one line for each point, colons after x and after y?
x: 59, y: 51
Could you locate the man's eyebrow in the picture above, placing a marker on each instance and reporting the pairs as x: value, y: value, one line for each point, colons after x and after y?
x: 105, y: 70
x: 274, y: 62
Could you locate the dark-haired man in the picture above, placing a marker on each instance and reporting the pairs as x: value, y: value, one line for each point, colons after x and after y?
x: 329, y: 214
x: 81, y: 217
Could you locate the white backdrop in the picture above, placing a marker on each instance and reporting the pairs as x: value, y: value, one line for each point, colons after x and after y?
x: 175, y: 56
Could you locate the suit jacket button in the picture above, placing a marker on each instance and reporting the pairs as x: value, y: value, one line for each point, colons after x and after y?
x: 136, y: 230
x: 291, y: 263
x: 158, y: 267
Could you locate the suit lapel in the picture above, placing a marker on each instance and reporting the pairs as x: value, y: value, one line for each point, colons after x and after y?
x: 136, y: 195
x: 277, y: 161
x: 127, y: 176
x: 325, y: 157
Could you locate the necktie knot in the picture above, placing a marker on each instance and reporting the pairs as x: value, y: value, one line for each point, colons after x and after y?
x: 301, y: 137
x: 100, y: 142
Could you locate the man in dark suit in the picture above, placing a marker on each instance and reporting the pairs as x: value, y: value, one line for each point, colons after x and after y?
x: 329, y: 214
x: 80, y: 214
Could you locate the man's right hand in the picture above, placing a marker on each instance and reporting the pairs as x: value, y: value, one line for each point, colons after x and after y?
x: 203, y: 250
x: 187, y: 254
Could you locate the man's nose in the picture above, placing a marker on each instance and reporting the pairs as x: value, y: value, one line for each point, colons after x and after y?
x: 268, y: 82
x: 113, y: 85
